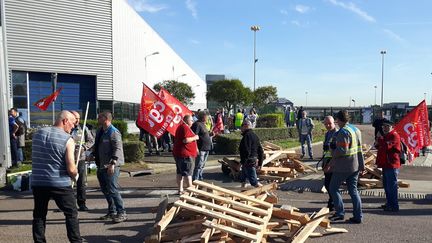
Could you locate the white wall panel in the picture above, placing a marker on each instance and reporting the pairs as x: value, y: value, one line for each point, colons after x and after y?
x: 133, y: 39
x: 62, y: 36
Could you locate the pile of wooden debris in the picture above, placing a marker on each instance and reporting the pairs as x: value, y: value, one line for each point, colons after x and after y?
x: 210, y: 213
x: 278, y: 165
x: 373, y: 176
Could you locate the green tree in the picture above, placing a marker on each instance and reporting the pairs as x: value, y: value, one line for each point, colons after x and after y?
x: 264, y: 96
x: 230, y: 93
x: 183, y: 92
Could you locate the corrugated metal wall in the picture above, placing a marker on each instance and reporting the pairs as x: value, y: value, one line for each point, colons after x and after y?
x: 62, y: 36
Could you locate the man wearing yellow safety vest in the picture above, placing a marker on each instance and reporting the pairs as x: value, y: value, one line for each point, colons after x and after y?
x: 331, y: 130
x: 345, y: 165
x: 238, y: 119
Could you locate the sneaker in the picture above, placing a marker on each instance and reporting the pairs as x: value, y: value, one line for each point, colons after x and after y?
x: 109, y: 216
x: 311, y: 158
x: 354, y: 220
x: 336, y: 218
x: 302, y: 156
x: 243, y: 185
x: 383, y: 206
x: 121, y: 217
x: 259, y: 185
x: 83, y: 208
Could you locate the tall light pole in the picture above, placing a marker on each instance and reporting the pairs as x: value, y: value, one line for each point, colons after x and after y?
x: 425, y: 97
x: 145, y: 62
x: 375, y: 93
x: 306, y: 97
x: 184, y: 74
x: 254, y: 28
x: 383, y: 52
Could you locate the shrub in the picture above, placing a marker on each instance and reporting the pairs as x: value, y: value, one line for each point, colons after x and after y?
x: 229, y: 143
x: 133, y: 151
x: 119, y: 124
x: 271, y: 120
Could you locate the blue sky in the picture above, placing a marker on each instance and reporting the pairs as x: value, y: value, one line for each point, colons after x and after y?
x: 327, y: 48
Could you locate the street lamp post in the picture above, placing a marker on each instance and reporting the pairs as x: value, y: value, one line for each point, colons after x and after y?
x: 254, y: 28
x: 145, y: 62
x: 184, y: 74
x: 375, y: 93
x: 383, y: 52
x: 306, y: 97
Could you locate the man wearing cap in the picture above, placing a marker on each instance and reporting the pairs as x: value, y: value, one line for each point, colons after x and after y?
x: 345, y: 166
x: 251, y: 155
x: 388, y: 158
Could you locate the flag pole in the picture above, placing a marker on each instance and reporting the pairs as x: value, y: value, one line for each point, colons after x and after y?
x: 53, y: 103
x: 82, y: 139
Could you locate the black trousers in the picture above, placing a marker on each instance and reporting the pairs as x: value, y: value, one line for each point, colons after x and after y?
x: 65, y: 200
x: 81, y: 184
x: 327, y: 179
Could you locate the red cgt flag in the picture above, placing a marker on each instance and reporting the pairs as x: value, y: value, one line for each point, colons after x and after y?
x: 154, y: 115
x: 413, y: 129
x: 179, y: 109
x: 45, y: 102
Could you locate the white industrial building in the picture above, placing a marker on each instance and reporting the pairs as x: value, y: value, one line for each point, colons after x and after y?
x: 96, y: 50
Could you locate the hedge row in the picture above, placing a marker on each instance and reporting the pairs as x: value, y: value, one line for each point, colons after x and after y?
x: 229, y: 143
x: 133, y: 151
x: 271, y: 120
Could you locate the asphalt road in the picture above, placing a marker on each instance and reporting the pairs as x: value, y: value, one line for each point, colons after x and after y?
x: 142, y: 195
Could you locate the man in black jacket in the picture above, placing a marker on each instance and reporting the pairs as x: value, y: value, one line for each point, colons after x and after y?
x: 251, y: 155
x: 204, y: 145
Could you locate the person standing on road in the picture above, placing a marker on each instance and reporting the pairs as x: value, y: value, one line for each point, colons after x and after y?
x: 77, y: 133
x: 345, y: 166
x: 378, y: 124
x: 251, y: 155
x: 13, y: 128
x: 185, y: 151
x: 21, y: 134
x: 238, y: 119
x: 331, y: 130
x: 53, y: 166
x: 305, y: 128
x: 388, y: 158
x: 108, y: 152
x: 204, y: 145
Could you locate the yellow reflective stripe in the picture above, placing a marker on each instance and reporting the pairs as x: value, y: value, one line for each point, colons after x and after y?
x: 327, y: 154
x: 354, y: 143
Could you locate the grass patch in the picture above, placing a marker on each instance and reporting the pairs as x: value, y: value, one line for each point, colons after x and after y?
x: 22, y: 167
x: 293, y: 142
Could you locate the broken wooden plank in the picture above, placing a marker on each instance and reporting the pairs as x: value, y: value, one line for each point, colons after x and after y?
x: 233, y: 231
x: 258, y: 190
x: 232, y: 193
x: 275, y: 169
x: 305, y: 165
x: 286, y: 214
x: 304, y: 233
x: 234, y: 204
x: 272, y: 157
x: 271, y: 145
x: 375, y: 172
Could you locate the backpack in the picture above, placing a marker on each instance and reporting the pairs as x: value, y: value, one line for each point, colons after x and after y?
x: 403, y: 153
x: 22, y: 127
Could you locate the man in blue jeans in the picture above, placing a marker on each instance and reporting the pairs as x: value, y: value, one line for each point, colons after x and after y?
x: 388, y: 158
x: 108, y: 152
x: 305, y: 127
x: 204, y: 145
x: 347, y: 162
x: 251, y: 155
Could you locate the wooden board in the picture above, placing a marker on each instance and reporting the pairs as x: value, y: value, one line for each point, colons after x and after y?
x: 305, y: 165
x: 271, y: 145
x: 305, y: 231
x: 275, y: 169
x: 272, y: 157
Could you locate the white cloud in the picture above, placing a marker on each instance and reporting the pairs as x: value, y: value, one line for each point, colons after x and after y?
x: 353, y: 8
x: 195, y: 42
x: 283, y: 11
x: 394, y: 36
x: 146, y: 6
x: 302, y: 8
x: 296, y: 23
x: 191, y: 5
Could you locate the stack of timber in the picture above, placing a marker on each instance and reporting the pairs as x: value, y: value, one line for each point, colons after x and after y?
x: 278, y: 165
x: 373, y: 176
x: 209, y: 213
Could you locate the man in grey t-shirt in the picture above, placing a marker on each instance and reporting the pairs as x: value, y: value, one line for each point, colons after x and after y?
x: 305, y: 133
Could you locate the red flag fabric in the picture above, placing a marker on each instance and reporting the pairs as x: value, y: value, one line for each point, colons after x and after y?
x: 154, y: 116
x: 45, y: 102
x: 413, y: 129
x: 179, y: 109
x: 218, y: 127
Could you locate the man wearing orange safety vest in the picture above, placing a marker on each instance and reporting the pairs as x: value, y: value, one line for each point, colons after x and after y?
x: 346, y: 164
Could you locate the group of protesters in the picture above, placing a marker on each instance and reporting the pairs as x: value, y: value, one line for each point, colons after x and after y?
x: 60, y: 152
